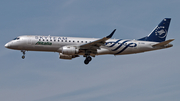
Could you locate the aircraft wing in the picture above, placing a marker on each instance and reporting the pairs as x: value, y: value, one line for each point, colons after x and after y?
x: 93, y: 46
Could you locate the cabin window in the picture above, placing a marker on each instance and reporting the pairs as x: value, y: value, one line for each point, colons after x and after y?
x: 43, y: 39
x: 54, y: 40
x: 73, y: 41
x: 69, y: 40
x: 61, y: 40
x: 78, y: 41
x: 39, y: 39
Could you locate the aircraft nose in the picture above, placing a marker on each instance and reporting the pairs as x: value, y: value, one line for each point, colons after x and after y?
x: 6, y: 45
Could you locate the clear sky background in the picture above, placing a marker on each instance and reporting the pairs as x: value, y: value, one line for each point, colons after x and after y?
x: 42, y: 76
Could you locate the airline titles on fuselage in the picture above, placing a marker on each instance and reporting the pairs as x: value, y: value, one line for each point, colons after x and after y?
x: 50, y: 38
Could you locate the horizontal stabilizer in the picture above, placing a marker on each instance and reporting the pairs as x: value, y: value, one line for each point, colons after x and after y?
x: 163, y: 43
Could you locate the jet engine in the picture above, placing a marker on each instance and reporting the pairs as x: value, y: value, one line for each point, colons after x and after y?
x: 69, y: 57
x: 69, y: 50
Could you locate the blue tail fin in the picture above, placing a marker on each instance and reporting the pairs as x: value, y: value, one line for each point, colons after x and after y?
x: 159, y: 33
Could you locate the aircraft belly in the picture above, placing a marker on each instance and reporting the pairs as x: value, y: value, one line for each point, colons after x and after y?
x: 103, y: 51
x: 124, y: 50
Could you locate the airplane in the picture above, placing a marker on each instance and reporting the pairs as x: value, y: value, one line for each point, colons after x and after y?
x: 72, y: 47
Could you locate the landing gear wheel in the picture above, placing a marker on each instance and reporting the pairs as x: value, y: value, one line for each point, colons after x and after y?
x: 87, y: 60
x: 23, y: 57
x: 23, y: 51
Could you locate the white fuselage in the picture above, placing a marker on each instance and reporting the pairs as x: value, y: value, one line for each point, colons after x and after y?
x: 55, y: 44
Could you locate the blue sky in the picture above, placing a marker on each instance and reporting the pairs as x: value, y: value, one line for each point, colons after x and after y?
x: 42, y: 76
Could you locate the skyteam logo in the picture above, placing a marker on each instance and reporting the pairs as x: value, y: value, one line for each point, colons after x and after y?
x: 160, y: 32
x: 118, y: 44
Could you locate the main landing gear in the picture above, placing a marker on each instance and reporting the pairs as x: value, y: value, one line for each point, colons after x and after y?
x: 23, y: 51
x: 87, y: 60
x: 88, y: 57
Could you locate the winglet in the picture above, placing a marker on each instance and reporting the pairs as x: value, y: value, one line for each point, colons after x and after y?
x: 109, y: 36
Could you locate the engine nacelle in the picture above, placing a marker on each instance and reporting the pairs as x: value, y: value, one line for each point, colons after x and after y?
x: 69, y: 57
x: 63, y: 56
x: 69, y: 50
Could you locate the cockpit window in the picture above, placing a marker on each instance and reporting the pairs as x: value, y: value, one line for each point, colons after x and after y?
x: 16, y: 39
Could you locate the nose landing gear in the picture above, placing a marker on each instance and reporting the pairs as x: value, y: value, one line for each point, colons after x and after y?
x: 23, y: 51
